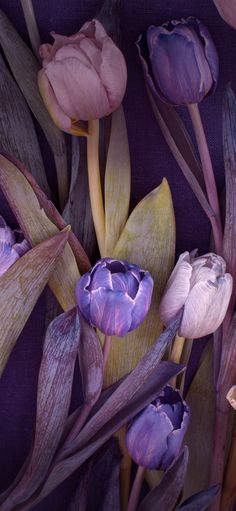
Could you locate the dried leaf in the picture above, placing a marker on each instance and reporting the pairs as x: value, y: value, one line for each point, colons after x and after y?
x: 25, y: 67
x: 165, y: 495
x: 37, y: 227
x: 117, y: 181
x: 148, y: 239
x: 21, y: 286
x: 32, y: 27
x: 17, y: 132
x: 199, y: 436
x: 53, y: 401
x: 201, y: 500
x: 91, y: 363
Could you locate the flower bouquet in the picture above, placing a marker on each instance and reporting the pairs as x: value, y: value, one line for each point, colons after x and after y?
x: 134, y: 391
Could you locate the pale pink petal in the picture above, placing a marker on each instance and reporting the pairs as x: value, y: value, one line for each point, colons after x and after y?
x: 59, y: 117
x: 93, y: 53
x: 231, y: 396
x: 45, y: 51
x: 113, y: 73
x: 205, y: 307
x: 227, y: 9
x: 177, y: 290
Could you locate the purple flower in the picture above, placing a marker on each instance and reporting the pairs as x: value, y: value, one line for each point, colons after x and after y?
x: 10, y: 250
x: 181, y: 64
x: 155, y: 435
x: 114, y: 296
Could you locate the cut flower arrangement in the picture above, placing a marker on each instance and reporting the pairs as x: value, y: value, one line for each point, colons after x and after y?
x: 118, y: 307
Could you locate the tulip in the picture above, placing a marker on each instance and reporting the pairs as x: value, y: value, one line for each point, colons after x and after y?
x: 10, y: 251
x: 227, y: 9
x: 114, y: 296
x: 155, y: 435
x: 183, y: 65
x: 83, y: 77
x: 202, y: 289
x: 231, y: 396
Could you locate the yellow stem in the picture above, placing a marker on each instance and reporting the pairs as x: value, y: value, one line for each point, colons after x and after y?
x: 176, y: 353
x: 95, y: 189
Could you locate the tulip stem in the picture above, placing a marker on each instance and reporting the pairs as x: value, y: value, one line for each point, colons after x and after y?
x: 208, y: 174
x: 106, y: 350
x: 176, y: 353
x: 66, y: 448
x: 94, y: 179
x: 31, y: 24
x: 229, y: 486
x: 136, y: 489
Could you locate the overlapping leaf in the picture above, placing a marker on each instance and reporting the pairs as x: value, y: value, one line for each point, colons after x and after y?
x: 21, y: 286
x: 201, y: 500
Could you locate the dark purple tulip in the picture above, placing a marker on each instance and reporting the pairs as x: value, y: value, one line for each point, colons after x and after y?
x: 10, y: 250
x: 155, y: 435
x: 182, y: 66
x: 114, y: 296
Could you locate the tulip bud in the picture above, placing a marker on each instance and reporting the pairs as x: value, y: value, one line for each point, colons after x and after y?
x: 10, y: 251
x: 231, y: 396
x: 155, y: 435
x: 227, y: 9
x: 114, y: 296
x: 183, y: 65
x: 83, y: 77
x: 202, y: 288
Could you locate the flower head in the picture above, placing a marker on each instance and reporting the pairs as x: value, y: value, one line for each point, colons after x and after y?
x: 115, y: 296
x: 155, y: 435
x: 181, y: 65
x: 202, y: 288
x: 10, y: 250
x: 83, y: 77
x: 227, y: 9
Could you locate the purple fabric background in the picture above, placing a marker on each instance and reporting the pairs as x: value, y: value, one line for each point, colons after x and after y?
x: 151, y: 161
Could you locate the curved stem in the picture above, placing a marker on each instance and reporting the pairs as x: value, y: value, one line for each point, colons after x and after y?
x: 136, y: 488
x: 208, y: 174
x: 66, y: 448
x: 176, y: 353
x: 95, y: 189
x: 106, y: 350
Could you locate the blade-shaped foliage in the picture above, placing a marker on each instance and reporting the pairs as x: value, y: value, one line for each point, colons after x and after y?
x: 21, y: 287
x: 17, y: 132
x: 36, y: 227
x: 53, y: 400
x: 25, y: 67
x: 90, y: 362
x: 165, y: 495
x: 201, y: 500
x: 148, y: 239
x: 117, y: 181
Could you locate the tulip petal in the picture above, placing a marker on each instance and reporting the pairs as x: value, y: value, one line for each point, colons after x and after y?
x: 83, y: 295
x: 142, y: 301
x: 111, y: 312
x: 175, y: 440
x: 113, y: 73
x: 59, y: 117
x: 205, y: 307
x: 177, y: 289
x: 7, y: 235
x: 101, y: 277
x: 210, y: 52
x: 8, y: 256
x: 22, y: 247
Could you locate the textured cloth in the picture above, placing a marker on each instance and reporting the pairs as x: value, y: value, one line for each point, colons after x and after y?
x: 151, y: 161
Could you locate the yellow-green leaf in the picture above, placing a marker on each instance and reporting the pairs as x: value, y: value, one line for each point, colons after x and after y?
x: 148, y: 239
x: 37, y: 227
x: 117, y: 181
x: 21, y: 286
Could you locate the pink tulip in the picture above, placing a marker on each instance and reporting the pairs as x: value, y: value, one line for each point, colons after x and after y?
x: 83, y: 77
x: 227, y: 10
x: 202, y: 289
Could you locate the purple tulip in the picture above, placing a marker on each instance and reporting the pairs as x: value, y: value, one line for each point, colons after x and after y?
x: 155, y: 435
x: 115, y: 296
x: 10, y: 251
x: 182, y: 66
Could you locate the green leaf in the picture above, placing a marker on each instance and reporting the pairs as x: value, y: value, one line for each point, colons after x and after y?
x: 148, y: 239
x: 21, y: 287
x: 117, y: 181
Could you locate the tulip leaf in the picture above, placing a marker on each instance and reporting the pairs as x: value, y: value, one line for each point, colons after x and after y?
x: 36, y: 227
x: 165, y: 495
x: 17, y: 130
x: 201, y: 500
x: 91, y: 363
x: 21, y: 287
x: 117, y: 181
x: 148, y: 240
x: 53, y: 401
x: 25, y: 67
x: 199, y: 436
x: 146, y: 392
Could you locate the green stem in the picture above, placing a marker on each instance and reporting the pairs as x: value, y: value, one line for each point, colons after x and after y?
x: 136, y: 488
x: 95, y: 189
x: 208, y: 174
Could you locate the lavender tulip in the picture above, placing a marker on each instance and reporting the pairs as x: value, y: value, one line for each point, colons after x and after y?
x: 202, y: 288
x: 155, y: 435
x: 115, y: 296
x: 83, y: 77
x: 182, y: 67
x: 227, y: 9
x: 10, y: 250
